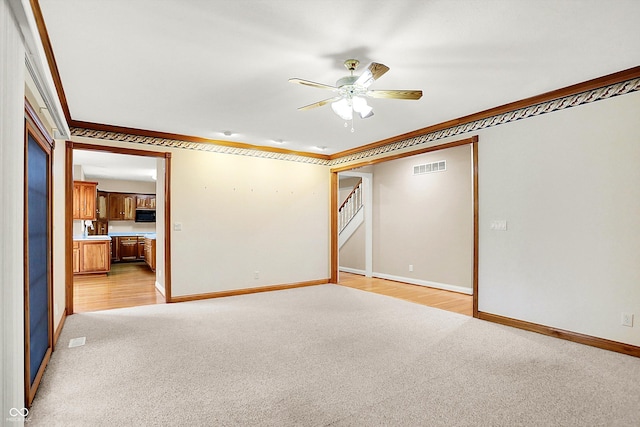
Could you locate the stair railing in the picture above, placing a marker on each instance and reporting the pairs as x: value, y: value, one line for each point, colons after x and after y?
x: 350, y: 207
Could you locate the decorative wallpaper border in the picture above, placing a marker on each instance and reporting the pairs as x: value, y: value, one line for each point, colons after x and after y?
x: 586, y: 97
x: 523, y: 113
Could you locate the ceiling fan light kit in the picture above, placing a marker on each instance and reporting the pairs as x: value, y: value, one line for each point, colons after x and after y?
x: 352, y: 91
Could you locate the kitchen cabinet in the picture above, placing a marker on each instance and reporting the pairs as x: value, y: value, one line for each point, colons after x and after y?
x: 102, y: 206
x: 145, y: 201
x: 128, y: 248
x: 91, y: 256
x: 115, y: 249
x: 122, y: 207
x: 141, y: 242
x: 76, y: 257
x: 150, y: 252
x: 101, y: 224
x: 84, y: 200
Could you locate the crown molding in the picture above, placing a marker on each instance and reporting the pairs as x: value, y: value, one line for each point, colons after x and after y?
x: 160, y: 139
x: 523, y: 109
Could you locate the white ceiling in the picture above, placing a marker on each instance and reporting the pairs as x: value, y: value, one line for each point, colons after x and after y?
x: 99, y: 164
x: 200, y: 68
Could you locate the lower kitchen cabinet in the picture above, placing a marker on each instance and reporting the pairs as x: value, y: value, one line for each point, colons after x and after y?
x: 91, y: 256
x: 150, y: 253
x: 128, y: 248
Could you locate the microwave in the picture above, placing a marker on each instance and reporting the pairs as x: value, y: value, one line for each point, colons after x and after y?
x: 145, y: 215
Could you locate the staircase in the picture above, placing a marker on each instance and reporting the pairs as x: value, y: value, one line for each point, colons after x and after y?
x: 350, y: 214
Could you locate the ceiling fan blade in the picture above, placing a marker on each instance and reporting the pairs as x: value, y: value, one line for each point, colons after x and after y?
x: 373, y: 72
x: 313, y: 84
x: 395, y: 94
x: 320, y: 103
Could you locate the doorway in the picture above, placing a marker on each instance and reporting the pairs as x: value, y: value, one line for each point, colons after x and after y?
x: 120, y: 256
x: 393, y: 255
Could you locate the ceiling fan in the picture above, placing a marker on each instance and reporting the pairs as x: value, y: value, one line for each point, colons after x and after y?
x: 351, y: 91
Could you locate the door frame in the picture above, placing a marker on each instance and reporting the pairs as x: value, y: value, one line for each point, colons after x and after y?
x: 70, y: 146
x: 474, y: 175
x: 34, y: 127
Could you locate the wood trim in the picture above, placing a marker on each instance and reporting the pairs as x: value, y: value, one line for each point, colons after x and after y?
x: 181, y: 137
x: 333, y: 214
x: 70, y: 146
x: 167, y: 227
x: 68, y: 223
x: 457, y: 143
x: 592, y: 341
x: 33, y: 116
x: 34, y: 127
x: 235, y: 292
x: 621, y: 76
x: 118, y: 150
x: 51, y: 59
x: 476, y: 225
x: 56, y: 335
x: 334, y: 250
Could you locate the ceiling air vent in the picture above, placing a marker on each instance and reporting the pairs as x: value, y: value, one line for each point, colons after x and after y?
x: 439, y: 166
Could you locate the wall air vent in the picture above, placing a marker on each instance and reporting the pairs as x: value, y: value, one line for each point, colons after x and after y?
x: 439, y: 166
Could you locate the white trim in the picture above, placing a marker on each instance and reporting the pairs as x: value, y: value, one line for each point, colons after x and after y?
x: 351, y: 227
x: 351, y: 270
x: 160, y: 288
x: 37, y: 65
x: 367, y: 196
x: 427, y: 283
x: 12, y: 348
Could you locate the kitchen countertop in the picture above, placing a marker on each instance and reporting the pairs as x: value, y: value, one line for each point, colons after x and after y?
x: 151, y: 235
x: 96, y: 237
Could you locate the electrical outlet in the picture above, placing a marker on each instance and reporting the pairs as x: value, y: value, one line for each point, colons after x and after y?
x: 256, y: 274
x: 627, y: 319
x: 410, y: 267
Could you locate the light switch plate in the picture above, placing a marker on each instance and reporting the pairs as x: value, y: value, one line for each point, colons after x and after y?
x: 177, y: 226
x: 498, y: 225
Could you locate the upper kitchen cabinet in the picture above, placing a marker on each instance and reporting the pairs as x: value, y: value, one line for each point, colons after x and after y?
x: 84, y: 200
x: 122, y: 207
x: 146, y: 201
x: 103, y: 205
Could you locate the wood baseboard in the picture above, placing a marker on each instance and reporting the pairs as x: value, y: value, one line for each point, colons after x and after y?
x: 58, y: 331
x: 602, y: 343
x: 247, y: 291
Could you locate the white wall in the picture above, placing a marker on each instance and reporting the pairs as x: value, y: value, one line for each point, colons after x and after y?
x: 425, y: 220
x: 352, y: 253
x: 12, y: 77
x: 567, y: 183
x: 124, y: 186
x: 240, y: 215
x: 243, y: 214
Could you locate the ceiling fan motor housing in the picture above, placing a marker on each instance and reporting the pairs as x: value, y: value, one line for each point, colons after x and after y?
x: 348, y: 89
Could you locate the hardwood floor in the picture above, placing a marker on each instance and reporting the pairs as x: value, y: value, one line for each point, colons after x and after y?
x: 126, y: 285
x: 133, y: 284
x: 445, y: 300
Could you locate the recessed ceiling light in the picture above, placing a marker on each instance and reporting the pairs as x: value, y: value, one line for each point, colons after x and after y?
x: 320, y: 147
x: 227, y: 133
x: 278, y: 141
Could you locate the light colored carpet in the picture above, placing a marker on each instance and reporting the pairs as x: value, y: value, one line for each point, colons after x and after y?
x: 325, y: 356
